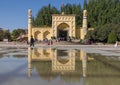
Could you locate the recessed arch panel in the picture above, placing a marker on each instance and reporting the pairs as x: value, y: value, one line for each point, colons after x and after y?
x: 46, y: 34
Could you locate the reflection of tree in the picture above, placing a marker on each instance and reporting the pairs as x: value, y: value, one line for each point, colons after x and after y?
x: 102, y: 66
x: 103, y: 80
x: 44, y: 69
x: 1, y: 55
x: 6, y: 55
x: 19, y: 56
x: 70, y: 78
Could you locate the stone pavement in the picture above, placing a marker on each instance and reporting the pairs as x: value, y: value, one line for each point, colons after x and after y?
x: 109, y: 50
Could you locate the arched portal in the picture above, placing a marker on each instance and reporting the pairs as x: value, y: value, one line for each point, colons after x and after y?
x: 62, y: 31
x: 63, y: 25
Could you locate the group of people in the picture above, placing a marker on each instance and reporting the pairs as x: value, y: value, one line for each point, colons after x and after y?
x: 32, y: 42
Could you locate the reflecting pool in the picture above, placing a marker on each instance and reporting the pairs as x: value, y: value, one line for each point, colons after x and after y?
x: 52, y: 66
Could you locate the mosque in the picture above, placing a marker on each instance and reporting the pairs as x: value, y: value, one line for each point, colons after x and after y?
x: 63, y: 25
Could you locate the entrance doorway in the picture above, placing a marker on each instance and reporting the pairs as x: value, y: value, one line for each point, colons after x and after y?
x: 62, y: 31
x: 62, y: 34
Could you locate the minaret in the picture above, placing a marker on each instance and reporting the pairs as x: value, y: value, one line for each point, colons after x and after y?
x: 84, y: 25
x: 29, y: 24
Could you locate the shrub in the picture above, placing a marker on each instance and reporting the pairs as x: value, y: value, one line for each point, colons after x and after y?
x: 112, y: 37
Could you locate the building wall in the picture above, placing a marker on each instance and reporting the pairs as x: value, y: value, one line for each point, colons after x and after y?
x: 42, y: 33
x: 57, y: 20
x: 47, y: 32
x: 78, y: 33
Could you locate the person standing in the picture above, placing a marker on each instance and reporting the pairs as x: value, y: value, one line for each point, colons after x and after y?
x: 116, y: 44
x: 32, y: 41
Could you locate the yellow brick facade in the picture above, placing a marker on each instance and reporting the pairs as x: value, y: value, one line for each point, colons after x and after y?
x: 61, y: 23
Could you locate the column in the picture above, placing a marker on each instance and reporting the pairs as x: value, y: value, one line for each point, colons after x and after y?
x: 84, y: 25
x: 29, y: 24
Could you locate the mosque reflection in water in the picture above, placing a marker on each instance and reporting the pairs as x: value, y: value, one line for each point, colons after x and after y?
x: 53, y: 61
x: 71, y: 65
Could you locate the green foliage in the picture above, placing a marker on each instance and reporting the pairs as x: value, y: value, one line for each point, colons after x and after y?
x: 90, y: 35
x: 1, y: 35
x: 5, y: 34
x: 104, y: 16
x: 100, y: 34
x: 85, y: 4
x: 17, y: 32
x: 112, y: 37
x: 44, y: 15
x: 101, y: 12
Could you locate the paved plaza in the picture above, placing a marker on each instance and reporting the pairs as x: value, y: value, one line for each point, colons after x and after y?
x: 22, y: 48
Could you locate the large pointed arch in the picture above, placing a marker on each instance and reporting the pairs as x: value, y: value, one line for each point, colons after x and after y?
x: 62, y: 31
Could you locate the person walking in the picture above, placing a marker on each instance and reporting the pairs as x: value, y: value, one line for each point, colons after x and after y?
x: 32, y: 41
x: 116, y: 44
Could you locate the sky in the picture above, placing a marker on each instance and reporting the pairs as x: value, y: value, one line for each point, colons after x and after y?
x: 13, y: 13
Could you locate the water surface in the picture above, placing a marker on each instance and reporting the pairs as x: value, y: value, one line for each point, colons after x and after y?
x: 51, y: 66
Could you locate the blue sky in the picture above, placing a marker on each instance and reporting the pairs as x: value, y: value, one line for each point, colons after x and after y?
x: 13, y: 13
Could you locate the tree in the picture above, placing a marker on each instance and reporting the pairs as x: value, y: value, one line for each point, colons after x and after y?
x: 101, y: 12
x: 17, y: 32
x: 7, y: 35
x: 44, y: 16
x: 101, y: 33
x: 1, y: 34
x: 112, y: 38
x: 103, y: 15
x: 85, y: 4
x: 79, y: 15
